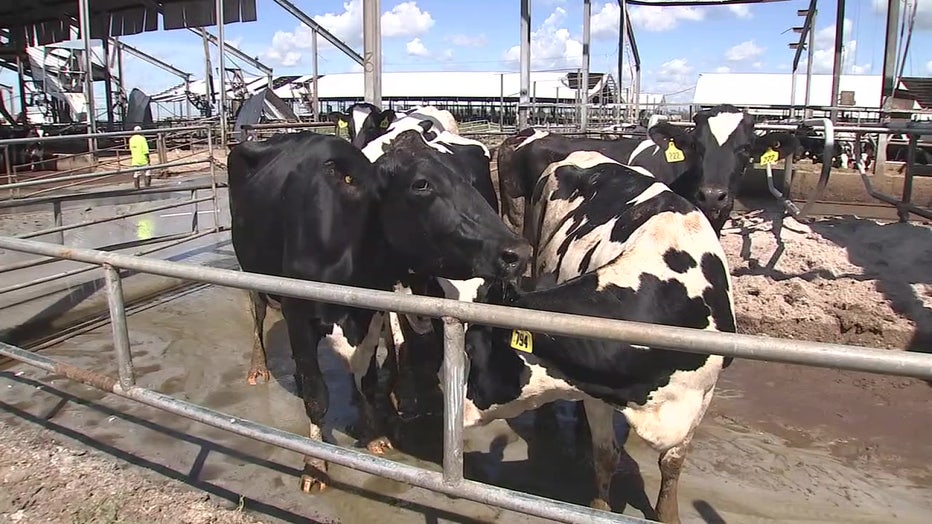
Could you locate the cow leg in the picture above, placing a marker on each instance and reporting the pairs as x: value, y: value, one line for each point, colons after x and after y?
x: 605, y: 451
x: 365, y: 369
x: 259, y: 361
x: 304, y: 334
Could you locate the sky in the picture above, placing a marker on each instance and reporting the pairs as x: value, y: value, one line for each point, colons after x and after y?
x: 676, y: 43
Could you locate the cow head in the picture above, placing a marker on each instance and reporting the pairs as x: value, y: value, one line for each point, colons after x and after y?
x: 437, y: 221
x: 365, y: 122
x: 726, y: 145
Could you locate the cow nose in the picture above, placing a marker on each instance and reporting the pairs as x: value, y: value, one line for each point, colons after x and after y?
x: 713, y: 196
x: 513, y: 259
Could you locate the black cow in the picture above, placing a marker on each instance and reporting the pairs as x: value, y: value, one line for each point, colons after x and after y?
x: 313, y: 207
x: 611, y: 242
x: 715, y: 154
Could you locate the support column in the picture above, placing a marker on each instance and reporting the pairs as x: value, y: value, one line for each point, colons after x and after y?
x: 221, y: 65
x: 812, y: 29
x: 121, y: 87
x: 622, y: 29
x: 586, y: 37
x: 890, y: 48
x: 208, y: 91
x: 372, y: 51
x: 108, y: 88
x: 84, y: 15
x: 315, y: 100
x: 839, y: 48
x: 524, y: 95
x: 21, y: 81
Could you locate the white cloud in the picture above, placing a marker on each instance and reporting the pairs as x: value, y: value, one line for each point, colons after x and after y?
x: 747, y: 50
x: 404, y: 20
x: 447, y: 55
x: 675, y: 77
x: 468, y: 41
x: 722, y: 69
x: 929, y: 67
x: 923, y: 12
x: 741, y: 10
x: 652, y: 18
x: 823, y: 57
x: 604, y: 21
x: 552, y: 47
x: 416, y: 48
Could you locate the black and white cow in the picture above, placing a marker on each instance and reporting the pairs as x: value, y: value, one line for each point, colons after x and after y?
x: 366, y: 122
x: 712, y: 159
x: 313, y: 207
x: 611, y: 242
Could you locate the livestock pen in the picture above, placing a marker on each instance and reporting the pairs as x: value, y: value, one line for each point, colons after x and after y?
x: 781, y: 442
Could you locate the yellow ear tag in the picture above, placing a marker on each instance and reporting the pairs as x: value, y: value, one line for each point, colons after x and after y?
x: 522, y: 341
x: 769, y: 157
x: 674, y: 154
x: 384, y: 124
x: 342, y: 124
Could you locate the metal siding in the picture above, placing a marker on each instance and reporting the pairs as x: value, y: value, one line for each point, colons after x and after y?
x: 248, y: 11
x: 173, y: 16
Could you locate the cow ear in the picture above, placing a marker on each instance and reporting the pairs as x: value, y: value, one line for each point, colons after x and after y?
x: 338, y: 118
x: 661, y: 133
x: 386, y: 118
x: 785, y: 144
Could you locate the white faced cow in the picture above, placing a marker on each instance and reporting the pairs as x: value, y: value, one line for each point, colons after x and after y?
x: 611, y: 242
x: 366, y: 122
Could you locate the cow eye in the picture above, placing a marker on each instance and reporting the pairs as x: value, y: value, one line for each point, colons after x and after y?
x: 349, y: 180
x: 420, y: 185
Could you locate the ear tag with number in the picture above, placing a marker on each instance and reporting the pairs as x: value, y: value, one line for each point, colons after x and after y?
x: 522, y: 341
x: 384, y: 124
x: 673, y: 153
x: 342, y: 124
x: 769, y: 157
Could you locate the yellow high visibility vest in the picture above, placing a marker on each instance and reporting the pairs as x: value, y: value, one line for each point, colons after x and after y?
x: 139, y: 150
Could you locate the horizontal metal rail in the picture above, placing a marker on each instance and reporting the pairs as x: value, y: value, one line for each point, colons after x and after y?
x: 286, y: 125
x: 373, y: 465
x: 33, y: 234
x: 752, y: 347
x: 45, y: 181
x: 110, y: 193
x: 85, y: 136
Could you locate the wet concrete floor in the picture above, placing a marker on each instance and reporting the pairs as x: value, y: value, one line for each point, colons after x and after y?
x: 196, y: 348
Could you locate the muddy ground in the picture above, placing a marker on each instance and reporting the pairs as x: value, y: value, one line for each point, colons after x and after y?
x: 780, y: 443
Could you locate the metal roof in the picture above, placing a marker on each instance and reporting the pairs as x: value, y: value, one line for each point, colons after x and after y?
x: 764, y: 89
x: 42, y: 22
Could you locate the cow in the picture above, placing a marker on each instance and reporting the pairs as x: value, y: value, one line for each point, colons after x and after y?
x: 704, y: 166
x: 611, y: 242
x: 313, y: 207
x: 366, y: 122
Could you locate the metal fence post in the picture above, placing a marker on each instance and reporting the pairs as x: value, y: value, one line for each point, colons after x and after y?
x: 57, y: 220
x: 194, y: 211
x: 454, y: 390
x: 8, y: 164
x: 213, y: 178
x: 118, y: 323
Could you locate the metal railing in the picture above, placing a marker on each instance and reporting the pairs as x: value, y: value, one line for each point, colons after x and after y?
x: 453, y: 313
x: 56, y: 200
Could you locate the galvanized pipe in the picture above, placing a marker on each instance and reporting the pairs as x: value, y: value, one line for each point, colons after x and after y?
x: 373, y: 465
x: 59, y: 229
x: 118, y: 325
x: 454, y: 390
x: 524, y: 64
x: 62, y: 138
x: 752, y: 347
x: 110, y: 193
x: 83, y: 176
x: 584, y: 108
x: 221, y: 65
x: 84, y: 19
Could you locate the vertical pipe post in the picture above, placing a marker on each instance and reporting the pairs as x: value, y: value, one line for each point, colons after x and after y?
x: 372, y: 51
x: 501, y: 103
x: 84, y: 14
x: 839, y: 48
x: 807, y: 114
x: 187, y: 89
x: 118, y: 323
x: 121, y: 87
x: 793, y: 94
x: 221, y: 66
x: 208, y: 92
x: 57, y: 221
x: 7, y: 164
x: 525, y: 64
x: 622, y: 30
x: 454, y: 389
x: 213, y: 179
x: 908, y: 178
x: 889, y: 56
x: 194, y: 225
x: 315, y: 99
x: 586, y: 37
x: 108, y: 87
x: 21, y: 82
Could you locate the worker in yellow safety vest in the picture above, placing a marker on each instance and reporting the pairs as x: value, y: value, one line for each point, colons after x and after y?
x: 139, y: 156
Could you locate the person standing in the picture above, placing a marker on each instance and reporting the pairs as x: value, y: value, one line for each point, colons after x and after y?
x: 139, y: 156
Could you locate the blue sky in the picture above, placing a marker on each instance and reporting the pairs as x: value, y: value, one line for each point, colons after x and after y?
x: 676, y: 43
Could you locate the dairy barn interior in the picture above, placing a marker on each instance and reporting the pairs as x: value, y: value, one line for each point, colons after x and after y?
x: 125, y: 325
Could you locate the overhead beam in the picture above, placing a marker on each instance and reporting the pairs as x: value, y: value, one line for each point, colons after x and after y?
x: 233, y: 51
x: 142, y: 55
x: 328, y: 36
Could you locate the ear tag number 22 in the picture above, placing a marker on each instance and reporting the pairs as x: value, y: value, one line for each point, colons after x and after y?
x: 522, y: 341
x: 673, y: 153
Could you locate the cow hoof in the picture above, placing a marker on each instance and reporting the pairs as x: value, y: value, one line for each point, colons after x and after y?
x: 254, y: 373
x: 379, y: 445
x: 600, y: 504
x: 312, y: 485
